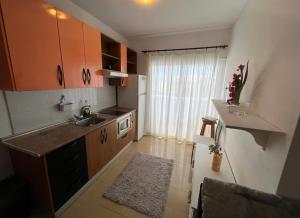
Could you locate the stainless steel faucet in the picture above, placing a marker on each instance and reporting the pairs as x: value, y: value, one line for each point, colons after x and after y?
x: 85, y: 111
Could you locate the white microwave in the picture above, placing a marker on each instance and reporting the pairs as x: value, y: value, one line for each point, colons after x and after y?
x: 124, y: 124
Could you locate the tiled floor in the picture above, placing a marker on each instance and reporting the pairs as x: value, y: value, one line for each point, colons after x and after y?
x: 91, y: 204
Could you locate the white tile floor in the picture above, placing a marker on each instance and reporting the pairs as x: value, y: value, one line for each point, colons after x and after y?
x: 91, y: 204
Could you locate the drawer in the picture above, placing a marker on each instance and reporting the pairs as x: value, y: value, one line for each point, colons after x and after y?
x: 66, y: 152
x: 64, y: 186
x: 62, y: 192
x: 125, y: 139
x: 64, y: 181
x: 68, y: 167
x: 67, y: 170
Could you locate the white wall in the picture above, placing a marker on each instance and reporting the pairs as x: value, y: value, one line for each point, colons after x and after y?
x: 35, y: 109
x: 268, y: 35
x: 290, y: 178
x: 182, y: 40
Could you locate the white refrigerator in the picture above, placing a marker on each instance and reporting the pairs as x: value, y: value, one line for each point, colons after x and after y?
x: 134, y: 96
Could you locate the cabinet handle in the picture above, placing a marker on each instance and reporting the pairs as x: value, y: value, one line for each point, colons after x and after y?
x: 60, y: 75
x: 101, y: 137
x: 73, y: 158
x: 75, y: 170
x: 105, y: 135
x: 88, y: 76
x: 84, y: 76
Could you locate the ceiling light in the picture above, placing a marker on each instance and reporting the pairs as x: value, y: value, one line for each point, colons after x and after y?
x: 52, y: 12
x: 145, y: 2
x: 55, y: 13
x: 61, y: 15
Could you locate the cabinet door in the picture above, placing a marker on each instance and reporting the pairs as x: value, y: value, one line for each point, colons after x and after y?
x: 93, y: 60
x: 101, y: 147
x: 125, y: 139
x: 67, y: 170
x: 72, y: 49
x: 33, y: 44
x: 93, y: 150
x: 112, y: 140
x: 123, y: 58
x: 97, y: 150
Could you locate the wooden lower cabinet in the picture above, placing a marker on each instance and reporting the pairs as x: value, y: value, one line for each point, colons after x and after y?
x: 67, y: 171
x: 124, y: 140
x: 100, y: 147
x: 55, y: 177
x: 35, y: 171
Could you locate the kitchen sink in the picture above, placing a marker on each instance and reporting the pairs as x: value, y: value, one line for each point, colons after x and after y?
x: 91, y: 121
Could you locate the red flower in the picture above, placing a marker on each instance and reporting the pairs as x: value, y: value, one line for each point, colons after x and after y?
x: 241, y: 67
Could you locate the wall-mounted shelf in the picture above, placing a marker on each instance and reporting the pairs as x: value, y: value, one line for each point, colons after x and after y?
x: 259, y: 128
x: 111, y: 55
x: 131, y: 61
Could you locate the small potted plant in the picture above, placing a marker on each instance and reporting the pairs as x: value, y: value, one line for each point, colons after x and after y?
x: 217, y: 158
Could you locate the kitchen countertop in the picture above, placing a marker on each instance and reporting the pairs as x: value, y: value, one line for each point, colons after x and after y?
x: 41, y: 142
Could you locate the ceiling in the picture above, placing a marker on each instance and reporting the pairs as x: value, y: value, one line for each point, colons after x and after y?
x: 165, y: 16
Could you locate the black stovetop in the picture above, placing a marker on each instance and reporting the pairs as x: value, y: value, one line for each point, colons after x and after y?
x: 113, y: 112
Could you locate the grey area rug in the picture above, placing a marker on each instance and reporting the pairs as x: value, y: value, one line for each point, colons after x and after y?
x: 143, y: 185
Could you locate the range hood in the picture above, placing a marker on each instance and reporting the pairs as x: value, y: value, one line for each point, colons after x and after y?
x: 114, y: 74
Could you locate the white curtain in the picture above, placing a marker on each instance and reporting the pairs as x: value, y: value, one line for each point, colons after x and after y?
x: 180, y: 88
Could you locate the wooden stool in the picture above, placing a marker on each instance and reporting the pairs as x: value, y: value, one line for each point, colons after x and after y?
x: 208, y: 121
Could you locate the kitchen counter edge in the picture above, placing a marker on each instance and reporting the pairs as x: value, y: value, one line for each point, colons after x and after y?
x: 82, y: 131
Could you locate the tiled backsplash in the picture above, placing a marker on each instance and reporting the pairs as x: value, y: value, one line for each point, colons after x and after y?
x: 35, y: 109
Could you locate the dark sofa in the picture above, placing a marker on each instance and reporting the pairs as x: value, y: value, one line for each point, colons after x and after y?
x: 15, y: 198
x: 225, y: 200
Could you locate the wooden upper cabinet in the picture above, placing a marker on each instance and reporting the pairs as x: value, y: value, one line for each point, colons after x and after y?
x: 123, y: 58
x: 93, y: 59
x: 72, y: 51
x: 30, y: 50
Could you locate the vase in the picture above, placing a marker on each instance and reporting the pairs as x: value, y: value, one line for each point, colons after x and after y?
x: 236, y: 99
x: 216, y: 162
